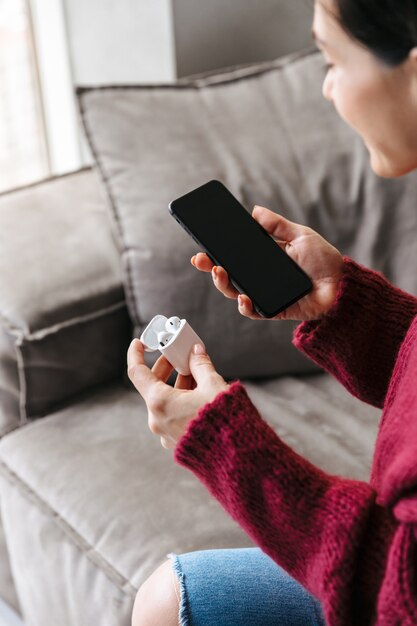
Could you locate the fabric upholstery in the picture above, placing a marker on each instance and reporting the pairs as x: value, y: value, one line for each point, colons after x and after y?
x: 266, y: 131
x: 92, y: 503
x: 154, y: 143
x: 60, y: 296
x: 7, y: 587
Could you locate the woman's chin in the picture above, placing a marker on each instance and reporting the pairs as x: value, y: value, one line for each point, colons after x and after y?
x: 383, y: 172
x: 388, y: 168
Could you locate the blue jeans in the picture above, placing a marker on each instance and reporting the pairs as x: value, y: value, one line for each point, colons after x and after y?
x: 241, y: 587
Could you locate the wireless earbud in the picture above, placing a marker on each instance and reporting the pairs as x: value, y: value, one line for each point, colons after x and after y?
x: 174, y: 338
x: 173, y: 323
x: 164, y: 338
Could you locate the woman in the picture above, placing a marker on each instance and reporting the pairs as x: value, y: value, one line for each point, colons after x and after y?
x: 331, y: 550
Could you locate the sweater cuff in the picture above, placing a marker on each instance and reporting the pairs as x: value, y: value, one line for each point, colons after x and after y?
x: 232, y: 422
x: 363, y: 295
x: 358, y: 340
x: 208, y: 426
x: 354, y: 292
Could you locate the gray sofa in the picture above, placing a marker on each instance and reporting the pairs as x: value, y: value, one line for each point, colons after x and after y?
x: 90, y: 502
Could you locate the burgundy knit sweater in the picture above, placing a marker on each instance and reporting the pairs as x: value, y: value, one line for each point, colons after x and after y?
x: 352, y: 544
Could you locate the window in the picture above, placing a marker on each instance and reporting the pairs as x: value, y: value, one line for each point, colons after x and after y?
x: 23, y: 141
x: 39, y: 131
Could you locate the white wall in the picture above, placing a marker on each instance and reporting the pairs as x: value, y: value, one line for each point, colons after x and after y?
x: 215, y: 33
x: 123, y: 41
x: 120, y: 41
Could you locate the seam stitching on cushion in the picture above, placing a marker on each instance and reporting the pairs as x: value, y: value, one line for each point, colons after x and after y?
x: 49, y: 330
x: 8, y: 325
x: 74, y: 536
x: 193, y: 81
x: 100, y: 168
x: 7, y: 430
x: 22, y: 383
x: 20, y: 334
x: 129, y: 291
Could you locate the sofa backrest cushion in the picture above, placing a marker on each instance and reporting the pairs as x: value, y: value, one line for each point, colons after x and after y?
x: 267, y: 133
x: 64, y: 325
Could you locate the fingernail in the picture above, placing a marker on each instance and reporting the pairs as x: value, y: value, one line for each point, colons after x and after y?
x: 214, y: 271
x: 240, y: 301
x: 193, y: 260
x: 198, y: 348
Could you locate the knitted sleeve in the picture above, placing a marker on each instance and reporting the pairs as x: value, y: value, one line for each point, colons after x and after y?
x: 358, y: 340
x: 328, y: 532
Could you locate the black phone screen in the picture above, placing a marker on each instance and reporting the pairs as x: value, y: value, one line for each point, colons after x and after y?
x: 234, y: 239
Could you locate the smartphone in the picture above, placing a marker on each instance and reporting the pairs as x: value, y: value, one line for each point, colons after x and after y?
x: 232, y: 238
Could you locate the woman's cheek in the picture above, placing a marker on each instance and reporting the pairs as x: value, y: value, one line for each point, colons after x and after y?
x: 342, y: 103
x: 351, y: 104
x: 356, y: 108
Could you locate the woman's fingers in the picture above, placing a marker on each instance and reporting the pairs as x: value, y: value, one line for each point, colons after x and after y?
x: 162, y: 368
x: 185, y: 382
x: 219, y: 275
x: 245, y: 307
x: 202, y: 262
x: 139, y: 373
x: 222, y: 283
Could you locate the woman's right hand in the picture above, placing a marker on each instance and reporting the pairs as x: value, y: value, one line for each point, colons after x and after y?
x: 321, y: 261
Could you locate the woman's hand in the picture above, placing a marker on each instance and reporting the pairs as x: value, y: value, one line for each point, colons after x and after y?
x: 319, y: 259
x: 170, y: 409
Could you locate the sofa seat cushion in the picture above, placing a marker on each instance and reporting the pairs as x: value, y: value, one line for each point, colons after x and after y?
x: 60, y: 295
x: 92, y: 503
x: 7, y: 586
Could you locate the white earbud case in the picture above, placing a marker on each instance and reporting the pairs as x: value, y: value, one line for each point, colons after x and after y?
x: 178, y: 348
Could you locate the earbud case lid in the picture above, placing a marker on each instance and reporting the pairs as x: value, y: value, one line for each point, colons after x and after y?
x: 149, y: 337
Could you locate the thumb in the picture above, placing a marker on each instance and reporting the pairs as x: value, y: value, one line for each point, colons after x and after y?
x: 200, y: 364
x: 276, y: 225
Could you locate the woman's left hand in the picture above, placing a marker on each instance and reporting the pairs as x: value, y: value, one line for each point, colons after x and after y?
x: 170, y: 409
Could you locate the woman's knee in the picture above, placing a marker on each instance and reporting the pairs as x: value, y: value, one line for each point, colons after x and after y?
x: 157, y: 601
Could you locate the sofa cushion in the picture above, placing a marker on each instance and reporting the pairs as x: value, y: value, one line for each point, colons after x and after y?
x: 266, y: 131
x: 90, y: 494
x: 153, y: 143
x: 7, y: 587
x: 60, y: 296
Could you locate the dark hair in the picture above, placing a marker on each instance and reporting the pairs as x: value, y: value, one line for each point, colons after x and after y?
x: 388, y: 28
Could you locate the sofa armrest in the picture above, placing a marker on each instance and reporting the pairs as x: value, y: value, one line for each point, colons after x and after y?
x: 64, y: 325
